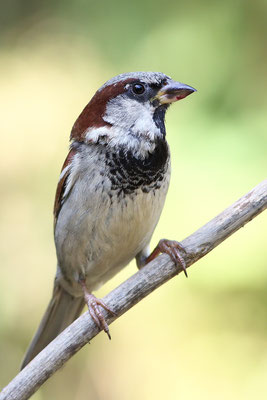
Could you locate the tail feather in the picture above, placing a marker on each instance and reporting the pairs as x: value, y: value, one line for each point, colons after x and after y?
x: 62, y: 310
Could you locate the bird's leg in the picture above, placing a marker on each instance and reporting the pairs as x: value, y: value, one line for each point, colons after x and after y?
x: 172, y: 248
x: 94, y: 305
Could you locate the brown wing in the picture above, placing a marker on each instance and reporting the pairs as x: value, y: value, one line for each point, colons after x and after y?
x: 62, y: 184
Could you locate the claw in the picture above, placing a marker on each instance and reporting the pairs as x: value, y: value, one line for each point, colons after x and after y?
x: 94, y: 305
x: 172, y: 248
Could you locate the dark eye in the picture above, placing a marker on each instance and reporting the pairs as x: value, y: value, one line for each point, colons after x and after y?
x: 138, y: 88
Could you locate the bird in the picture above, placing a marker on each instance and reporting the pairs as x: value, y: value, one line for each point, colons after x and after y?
x: 110, y: 195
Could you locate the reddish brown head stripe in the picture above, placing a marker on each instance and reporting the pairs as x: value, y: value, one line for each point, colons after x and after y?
x: 92, y: 114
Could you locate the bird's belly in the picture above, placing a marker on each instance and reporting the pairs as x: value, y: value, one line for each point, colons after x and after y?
x: 107, y: 236
x: 129, y: 231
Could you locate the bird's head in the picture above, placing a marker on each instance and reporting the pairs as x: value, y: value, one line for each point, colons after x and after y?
x: 128, y: 111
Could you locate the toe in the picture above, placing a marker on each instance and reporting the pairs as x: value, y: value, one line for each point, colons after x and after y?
x: 94, y: 305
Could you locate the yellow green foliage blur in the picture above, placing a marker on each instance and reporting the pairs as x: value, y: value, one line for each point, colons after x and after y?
x: 204, y: 337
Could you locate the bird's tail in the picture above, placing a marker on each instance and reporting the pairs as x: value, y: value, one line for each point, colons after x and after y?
x: 62, y: 310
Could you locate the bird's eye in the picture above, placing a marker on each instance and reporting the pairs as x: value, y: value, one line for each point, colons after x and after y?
x: 138, y: 88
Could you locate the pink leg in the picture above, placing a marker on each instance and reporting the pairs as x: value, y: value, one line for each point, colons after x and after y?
x: 172, y: 248
x: 94, y: 305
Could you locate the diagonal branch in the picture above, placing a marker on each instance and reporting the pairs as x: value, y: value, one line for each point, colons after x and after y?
x: 130, y: 292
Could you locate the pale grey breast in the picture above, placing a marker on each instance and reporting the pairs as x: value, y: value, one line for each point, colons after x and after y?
x: 117, y: 200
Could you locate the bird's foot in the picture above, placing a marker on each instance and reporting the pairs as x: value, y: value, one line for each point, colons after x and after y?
x: 172, y: 248
x: 94, y: 305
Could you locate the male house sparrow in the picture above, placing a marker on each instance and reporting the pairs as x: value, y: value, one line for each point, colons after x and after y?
x: 110, y: 195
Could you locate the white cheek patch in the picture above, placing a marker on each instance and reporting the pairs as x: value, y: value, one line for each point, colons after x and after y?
x: 132, y: 126
x: 128, y: 113
x: 133, y: 122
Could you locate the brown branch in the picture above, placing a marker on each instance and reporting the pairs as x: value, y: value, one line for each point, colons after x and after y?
x: 132, y: 291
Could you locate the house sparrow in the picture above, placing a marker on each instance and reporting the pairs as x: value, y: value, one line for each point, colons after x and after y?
x: 110, y: 195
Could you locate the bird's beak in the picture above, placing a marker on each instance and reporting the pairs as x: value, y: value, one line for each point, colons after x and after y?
x: 173, y: 91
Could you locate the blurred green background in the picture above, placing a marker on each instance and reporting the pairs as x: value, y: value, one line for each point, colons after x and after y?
x: 199, y: 338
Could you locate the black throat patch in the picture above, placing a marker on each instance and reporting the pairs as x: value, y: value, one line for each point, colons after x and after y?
x: 128, y: 173
x: 159, y: 118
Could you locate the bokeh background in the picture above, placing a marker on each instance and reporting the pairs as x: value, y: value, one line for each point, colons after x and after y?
x: 199, y: 338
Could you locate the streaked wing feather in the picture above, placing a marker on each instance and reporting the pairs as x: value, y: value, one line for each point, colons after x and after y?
x: 63, y: 183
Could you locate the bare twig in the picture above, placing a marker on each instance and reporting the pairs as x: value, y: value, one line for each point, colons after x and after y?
x: 132, y: 291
